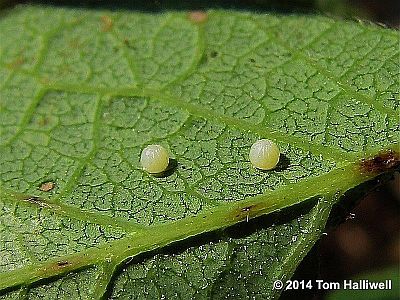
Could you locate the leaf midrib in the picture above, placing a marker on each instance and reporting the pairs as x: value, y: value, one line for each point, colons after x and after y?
x: 107, y: 93
x: 104, y: 94
x: 198, y: 110
x: 335, y: 182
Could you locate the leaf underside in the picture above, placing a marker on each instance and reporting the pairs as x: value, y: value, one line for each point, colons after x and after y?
x: 83, y: 91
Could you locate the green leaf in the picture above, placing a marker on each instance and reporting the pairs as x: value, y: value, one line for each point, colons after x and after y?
x: 83, y: 91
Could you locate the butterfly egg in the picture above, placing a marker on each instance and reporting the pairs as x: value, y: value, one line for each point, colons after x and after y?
x: 154, y: 159
x: 264, y: 154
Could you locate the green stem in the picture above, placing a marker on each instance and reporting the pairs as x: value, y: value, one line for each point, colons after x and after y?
x: 337, y: 181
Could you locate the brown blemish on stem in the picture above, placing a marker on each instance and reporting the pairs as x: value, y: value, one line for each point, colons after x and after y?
x: 62, y: 264
x: 106, y: 23
x: 244, y: 213
x: 198, y: 17
x: 47, y: 186
x: 36, y: 200
x: 382, y: 162
x: 56, y: 268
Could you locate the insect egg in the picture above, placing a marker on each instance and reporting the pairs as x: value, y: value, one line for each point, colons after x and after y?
x: 154, y: 159
x: 264, y: 154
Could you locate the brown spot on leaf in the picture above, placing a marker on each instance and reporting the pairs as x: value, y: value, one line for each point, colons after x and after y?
x: 213, y: 54
x: 43, y: 121
x: 106, y: 23
x: 128, y: 43
x: 382, y: 162
x: 198, y: 17
x: 44, y: 80
x: 47, y: 186
x: 75, y: 43
x: 16, y: 63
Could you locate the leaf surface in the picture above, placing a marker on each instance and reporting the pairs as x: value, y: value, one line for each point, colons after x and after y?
x: 83, y: 91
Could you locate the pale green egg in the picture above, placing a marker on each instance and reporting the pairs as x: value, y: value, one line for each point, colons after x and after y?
x: 154, y: 159
x: 264, y: 154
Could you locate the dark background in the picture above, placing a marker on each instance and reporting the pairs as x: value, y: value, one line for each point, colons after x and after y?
x: 381, y: 11
x: 365, y: 239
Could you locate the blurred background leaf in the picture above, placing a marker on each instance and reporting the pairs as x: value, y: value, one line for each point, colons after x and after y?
x: 384, y: 11
x: 391, y: 273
